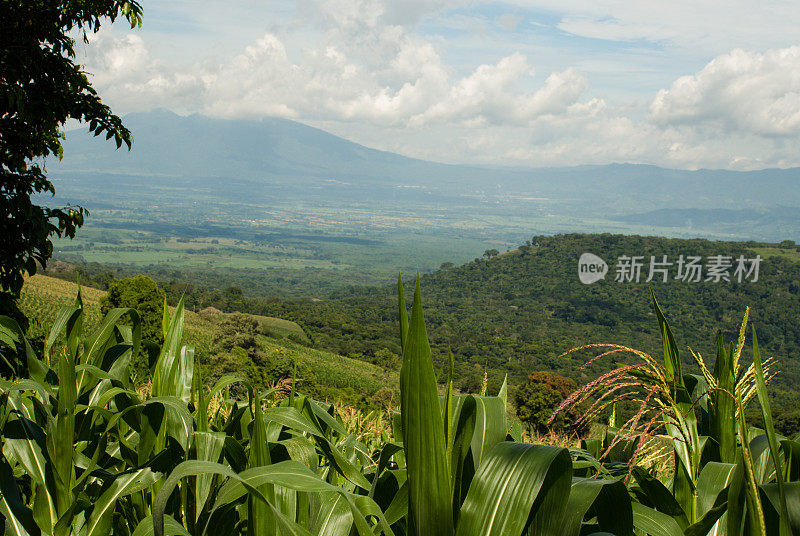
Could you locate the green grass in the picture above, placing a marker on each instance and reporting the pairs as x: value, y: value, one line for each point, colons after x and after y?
x: 786, y: 253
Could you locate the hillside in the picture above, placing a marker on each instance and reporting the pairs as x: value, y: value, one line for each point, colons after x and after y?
x: 519, y: 311
x: 281, y: 342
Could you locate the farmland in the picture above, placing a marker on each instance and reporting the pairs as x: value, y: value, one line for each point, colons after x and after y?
x: 210, y: 333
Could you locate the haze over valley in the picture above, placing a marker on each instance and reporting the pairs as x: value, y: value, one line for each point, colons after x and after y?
x: 275, y: 193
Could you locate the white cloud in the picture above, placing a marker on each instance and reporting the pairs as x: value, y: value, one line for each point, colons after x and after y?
x: 415, y: 87
x: 490, y: 96
x: 746, y: 91
x: 699, y: 27
x: 366, y: 73
x: 128, y: 76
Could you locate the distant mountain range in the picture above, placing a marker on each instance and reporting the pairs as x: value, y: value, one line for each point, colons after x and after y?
x: 281, y: 153
x: 168, y: 144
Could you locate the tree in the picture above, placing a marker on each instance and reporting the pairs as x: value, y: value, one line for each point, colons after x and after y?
x: 140, y: 293
x: 539, y: 396
x: 238, y: 330
x: 41, y: 87
x: 788, y: 422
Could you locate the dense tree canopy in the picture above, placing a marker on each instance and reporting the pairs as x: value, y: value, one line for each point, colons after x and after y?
x: 41, y: 87
x: 140, y: 293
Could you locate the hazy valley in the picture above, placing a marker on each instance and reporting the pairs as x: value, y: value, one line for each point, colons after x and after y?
x: 278, y: 197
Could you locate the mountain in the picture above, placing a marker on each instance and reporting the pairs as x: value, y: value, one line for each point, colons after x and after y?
x: 167, y: 144
x: 272, y: 149
x: 243, y: 179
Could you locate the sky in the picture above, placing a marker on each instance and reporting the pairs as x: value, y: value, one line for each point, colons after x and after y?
x: 682, y: 84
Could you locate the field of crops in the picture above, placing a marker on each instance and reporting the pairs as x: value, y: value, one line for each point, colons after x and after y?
x: 43, y: 296
x: 86, y: 454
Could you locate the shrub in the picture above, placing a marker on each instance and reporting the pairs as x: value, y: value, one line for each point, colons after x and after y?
x: 142, y: 294
x: 539, y: 396
x: 236, y: 330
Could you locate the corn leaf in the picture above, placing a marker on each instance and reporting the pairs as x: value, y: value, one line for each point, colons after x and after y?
x: 171, y: 527
x: 654, y: 523
x: 763, y: 398
x: 490, y: 426
x: 607, y: 500
x: 100, y: 520
x: 462, y: 465
x: 332, y: 516
x: 196, y: 467
x: 723, y: 405
x: 208, y: 447
x: 18, y: 517
x: 26, y: 444
x: 517, y: 483
x: 712, y: 486
x: 423, y: 433
x: 11, y: 335
x: 773, y: 504
x: 293, y: 475
x: 259, y: 515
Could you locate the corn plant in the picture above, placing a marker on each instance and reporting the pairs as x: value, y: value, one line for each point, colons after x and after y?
x: 464, y: 476
x: 726, y: 476
x: 61, y: 469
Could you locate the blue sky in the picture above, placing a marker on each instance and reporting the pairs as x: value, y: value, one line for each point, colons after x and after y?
x: 685, y: 84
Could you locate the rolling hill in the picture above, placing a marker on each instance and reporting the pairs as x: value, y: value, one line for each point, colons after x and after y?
x: 519, y: 311
x: 323, y: 373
